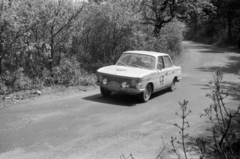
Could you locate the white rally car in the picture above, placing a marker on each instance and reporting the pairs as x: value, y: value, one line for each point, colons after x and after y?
x: 139, y: 73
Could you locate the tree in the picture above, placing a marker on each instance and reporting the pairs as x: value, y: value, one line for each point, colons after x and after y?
x: 108, y: 28
x: 200, y: 12
x: 227, y: 12
x: 216, y: 21
x: 160, y: 12
x: 11, y: 31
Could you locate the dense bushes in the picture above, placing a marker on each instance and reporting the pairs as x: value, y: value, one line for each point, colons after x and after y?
x: 169, y: 41
x: 14, y: 81
x: 68, y: 73
x: 64, y: 42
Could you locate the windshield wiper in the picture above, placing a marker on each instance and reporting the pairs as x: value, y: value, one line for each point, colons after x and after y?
x: 134, y: 65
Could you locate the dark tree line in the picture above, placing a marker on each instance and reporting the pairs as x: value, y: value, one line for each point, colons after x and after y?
x: 218, y: 22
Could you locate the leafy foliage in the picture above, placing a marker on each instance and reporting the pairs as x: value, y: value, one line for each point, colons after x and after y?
x: 216, y: 22
x: 158, y: 13
x: 63, y: 42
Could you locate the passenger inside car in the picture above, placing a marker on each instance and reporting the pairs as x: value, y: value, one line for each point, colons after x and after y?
x: 139, y: 62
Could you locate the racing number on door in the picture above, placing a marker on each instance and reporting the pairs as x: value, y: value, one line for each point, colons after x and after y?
x: 161, y: 79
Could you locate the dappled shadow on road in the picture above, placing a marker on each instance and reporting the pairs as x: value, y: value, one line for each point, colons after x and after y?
x: 195, y: 45
x: 211, y: 51
x: 230, y: 67
x: 121, y: 99
x: 233, y: 66
x: 226, y: 86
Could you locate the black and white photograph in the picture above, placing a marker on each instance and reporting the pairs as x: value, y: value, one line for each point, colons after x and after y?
x: 119, y: 79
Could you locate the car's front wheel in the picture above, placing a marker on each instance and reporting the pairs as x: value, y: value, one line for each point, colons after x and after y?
x: 105, y: 92
x: 146, y: 95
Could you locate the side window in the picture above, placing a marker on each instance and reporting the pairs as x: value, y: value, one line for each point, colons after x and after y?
x: 160, y: 63
x: 167, y: 62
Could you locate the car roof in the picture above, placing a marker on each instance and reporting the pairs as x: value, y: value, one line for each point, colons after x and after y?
x: 153, y: 53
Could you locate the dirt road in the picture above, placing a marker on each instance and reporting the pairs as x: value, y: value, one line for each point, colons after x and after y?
x: 87, y: 126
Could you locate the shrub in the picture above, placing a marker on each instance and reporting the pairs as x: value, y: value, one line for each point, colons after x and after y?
x: 3, y: 87
x: 88, y: 79
x: 169, y: 40
x: 172, y: 36
x: 47, y: 78
x: 21, y: 82
x: 68, y: 72
x: 14, y: 81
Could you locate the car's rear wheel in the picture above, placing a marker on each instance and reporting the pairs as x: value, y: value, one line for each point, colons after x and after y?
x: 146, y: 95
x: 105, y: 92
x: 173, y: 85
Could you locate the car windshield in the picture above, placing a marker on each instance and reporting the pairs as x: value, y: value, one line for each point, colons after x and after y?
x: 137, y: 60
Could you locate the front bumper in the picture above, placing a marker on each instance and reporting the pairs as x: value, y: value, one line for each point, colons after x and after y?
x: 131, y: 91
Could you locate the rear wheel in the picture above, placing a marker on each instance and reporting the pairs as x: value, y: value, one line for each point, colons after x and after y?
x: 145, y: 96
x: 105, y: 92
x: 173, y: 85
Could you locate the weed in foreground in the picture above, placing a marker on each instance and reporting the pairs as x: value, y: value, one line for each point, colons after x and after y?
x: 224, y: 127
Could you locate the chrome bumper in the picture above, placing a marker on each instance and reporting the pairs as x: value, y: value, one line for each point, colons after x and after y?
x: 131, y: 91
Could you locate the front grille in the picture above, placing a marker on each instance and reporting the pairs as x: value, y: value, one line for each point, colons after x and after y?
x: 117, y: 79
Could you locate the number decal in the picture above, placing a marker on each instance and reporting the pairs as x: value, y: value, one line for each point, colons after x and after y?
x: 161, y: 80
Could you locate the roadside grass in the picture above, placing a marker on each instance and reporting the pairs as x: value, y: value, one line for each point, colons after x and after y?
x: 46, y: 92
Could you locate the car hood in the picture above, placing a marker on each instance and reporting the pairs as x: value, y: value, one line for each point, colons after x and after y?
x: 126, y: 71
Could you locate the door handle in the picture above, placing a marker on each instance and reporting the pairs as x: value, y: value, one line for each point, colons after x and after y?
x: 166, y: 73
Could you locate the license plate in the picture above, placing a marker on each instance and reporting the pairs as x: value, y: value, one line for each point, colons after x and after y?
x: 114, y: 86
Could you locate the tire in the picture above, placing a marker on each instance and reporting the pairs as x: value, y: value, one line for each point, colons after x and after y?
x: 173, y: 85
x: 146, y: 95
x: 105, y: 92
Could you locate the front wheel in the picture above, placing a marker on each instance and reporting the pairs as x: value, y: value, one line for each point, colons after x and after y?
x: 105, y: 92
x: 145, y: 96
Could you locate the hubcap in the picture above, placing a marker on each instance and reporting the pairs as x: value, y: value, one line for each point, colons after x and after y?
x: 173, y: 85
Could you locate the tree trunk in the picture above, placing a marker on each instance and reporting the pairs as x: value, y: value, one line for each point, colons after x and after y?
x: 52, y: 54
x: 229, y: 31
x: 195, y: 23
x: 157, y: 28
x: 239, y: 41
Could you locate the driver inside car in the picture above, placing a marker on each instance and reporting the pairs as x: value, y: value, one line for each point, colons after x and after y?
x: 139, y: 62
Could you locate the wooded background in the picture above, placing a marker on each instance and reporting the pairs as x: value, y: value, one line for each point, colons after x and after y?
x: 49, y: 42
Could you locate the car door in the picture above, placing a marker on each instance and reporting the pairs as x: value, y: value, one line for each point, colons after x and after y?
x: 169, y: 71
x: 161, y: 73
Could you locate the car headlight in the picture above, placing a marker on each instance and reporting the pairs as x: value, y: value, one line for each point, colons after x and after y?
x: 133, y: 82
x: 124, y: 85
x: 104, y: 81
